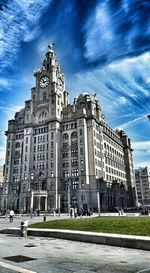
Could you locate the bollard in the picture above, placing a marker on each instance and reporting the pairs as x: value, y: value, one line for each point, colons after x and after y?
x: 44, y: 218
x: 24, y: 228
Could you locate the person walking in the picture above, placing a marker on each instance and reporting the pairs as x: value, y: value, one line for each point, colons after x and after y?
x: 11, y: 216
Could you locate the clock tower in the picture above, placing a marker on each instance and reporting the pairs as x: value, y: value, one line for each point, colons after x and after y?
x: 43, y: 116
x: 49, y: 93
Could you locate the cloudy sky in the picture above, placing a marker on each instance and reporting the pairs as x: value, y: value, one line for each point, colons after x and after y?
x: 103, y: 47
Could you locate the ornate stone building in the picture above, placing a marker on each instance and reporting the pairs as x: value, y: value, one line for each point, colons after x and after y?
x: 60, y: 154
x: 142, y: 179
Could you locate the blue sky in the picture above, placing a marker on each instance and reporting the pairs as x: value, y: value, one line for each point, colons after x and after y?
x: 103, y: 47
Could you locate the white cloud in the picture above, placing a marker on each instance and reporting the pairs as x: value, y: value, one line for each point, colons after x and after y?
x: 19, y: 22
x: 143, y: 146
x: 99, y: 25
x: 133, y: 122
x: 143, y: 163
x: 4, y: 82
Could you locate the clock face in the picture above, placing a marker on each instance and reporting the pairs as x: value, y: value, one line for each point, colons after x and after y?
x: 44, y: 82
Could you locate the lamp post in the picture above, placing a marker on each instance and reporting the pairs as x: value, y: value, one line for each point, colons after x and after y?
x: 68, y: 196
x: 98, y: 203
x: 59, y: 204
x: 31, y: 206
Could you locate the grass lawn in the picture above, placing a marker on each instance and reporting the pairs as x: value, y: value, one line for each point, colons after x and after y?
x: 120, y: 225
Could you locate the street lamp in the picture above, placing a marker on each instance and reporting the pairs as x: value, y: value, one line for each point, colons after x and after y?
x: 98, y: 203
x: 68, y: 195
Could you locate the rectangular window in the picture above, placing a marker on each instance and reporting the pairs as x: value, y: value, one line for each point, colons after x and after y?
x: 74, y: 172
x: 74, y: 152
x: 75, y: 184
x: 52, y: 173
x: 81, y: 151
x: 66, y: 173
x: 26, y: 140
x: 65, y: 163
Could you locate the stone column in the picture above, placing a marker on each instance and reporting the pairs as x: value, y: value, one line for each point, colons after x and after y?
x: 24, y: 204
x: 46, y: 203
x: 39, y: 202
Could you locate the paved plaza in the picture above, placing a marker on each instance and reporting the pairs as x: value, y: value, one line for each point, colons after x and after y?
x: 49, y: 255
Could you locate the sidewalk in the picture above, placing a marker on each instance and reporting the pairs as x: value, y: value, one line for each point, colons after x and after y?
x: 136, y: 242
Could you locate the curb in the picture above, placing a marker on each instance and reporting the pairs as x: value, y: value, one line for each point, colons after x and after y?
x: 129, y: 241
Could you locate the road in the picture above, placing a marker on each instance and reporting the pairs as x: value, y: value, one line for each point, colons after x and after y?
x: 64, y: 256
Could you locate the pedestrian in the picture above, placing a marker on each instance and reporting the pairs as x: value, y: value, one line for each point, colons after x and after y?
x: 11, y: 216
x: 75, y: 212
x: 71, y: 212
x: 6, y: 216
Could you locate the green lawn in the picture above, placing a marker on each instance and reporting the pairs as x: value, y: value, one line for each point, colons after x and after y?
x: 120, y: 225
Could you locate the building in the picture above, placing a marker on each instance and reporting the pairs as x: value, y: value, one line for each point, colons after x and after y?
x: 1, y: 184
x: 142, y: 179
x: 60, y: 154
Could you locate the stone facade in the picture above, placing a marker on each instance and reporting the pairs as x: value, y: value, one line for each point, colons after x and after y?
x: 60, y: 154
x: 142, y: 179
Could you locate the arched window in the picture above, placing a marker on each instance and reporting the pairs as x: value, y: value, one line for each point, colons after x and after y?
x: 74, y: 201
x: 42, y: 115
x: 74, y: 135
x: 65, y: 136
x: 18, y: 145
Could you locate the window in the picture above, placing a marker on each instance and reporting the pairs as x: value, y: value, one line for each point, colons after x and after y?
x: 42, y: 115
x: 52, y: 173
x: 81, y: 161
x: 65, y: 144
x: 74, y: 152
x: 74, y: 143
x: 74, y: 172
x: 17, y: 145
x: 44, y: 96
x: 66, y: 173
x: 65, y: 154
x: 74, y: 201
x: 80, y: 132
x: 65, y: 163
x: 81, y: 141
x: 65, y: 136
x: 82, y: 171
x: 16, y: 169
x: 74, y: 135
x: 81, y: 151
x: 75, y: 184
x: 16, y: 161
x: 74, y: 162
x: 32, y: 176
x: 26, y: 140
x: 15, y: 179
